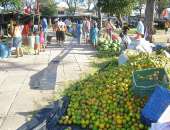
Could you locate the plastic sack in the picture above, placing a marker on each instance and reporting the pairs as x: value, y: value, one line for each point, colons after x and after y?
x: 31, y: 41
x: 4, y: 51
x: 167, y: 54
x: 145, y: 46
x: 123, y: 58
x: 160, y: 126
x: 165, y: 117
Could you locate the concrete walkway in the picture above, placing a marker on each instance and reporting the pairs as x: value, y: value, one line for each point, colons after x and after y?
x: 29, y: 83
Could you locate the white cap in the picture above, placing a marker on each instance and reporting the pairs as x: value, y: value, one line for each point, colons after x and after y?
x: 57, y: 19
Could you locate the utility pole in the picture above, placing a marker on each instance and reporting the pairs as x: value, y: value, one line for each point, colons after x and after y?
x: 38, y: 12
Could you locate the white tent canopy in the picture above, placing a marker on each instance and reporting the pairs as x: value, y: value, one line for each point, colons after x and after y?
x: 62, y: 5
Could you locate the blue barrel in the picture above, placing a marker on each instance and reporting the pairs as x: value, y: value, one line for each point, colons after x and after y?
x: 4, y: 51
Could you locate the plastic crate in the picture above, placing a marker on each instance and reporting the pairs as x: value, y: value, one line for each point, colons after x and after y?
x: 155, y: 106
x: 145, y: 81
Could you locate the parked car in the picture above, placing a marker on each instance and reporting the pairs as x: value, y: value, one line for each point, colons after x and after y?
x: 133, y: 21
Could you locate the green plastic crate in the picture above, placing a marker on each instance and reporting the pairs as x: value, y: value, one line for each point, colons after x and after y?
x: 145, y: 81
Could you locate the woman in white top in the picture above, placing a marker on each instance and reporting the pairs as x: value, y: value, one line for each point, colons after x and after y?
x: 17, y: 40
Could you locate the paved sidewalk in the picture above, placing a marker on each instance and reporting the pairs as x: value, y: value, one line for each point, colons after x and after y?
x: 29, y: 83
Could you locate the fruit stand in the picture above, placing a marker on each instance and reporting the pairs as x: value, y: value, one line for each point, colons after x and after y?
x: 105, y: 100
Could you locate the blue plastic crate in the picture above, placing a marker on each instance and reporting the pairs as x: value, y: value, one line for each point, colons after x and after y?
x: 156, y: 105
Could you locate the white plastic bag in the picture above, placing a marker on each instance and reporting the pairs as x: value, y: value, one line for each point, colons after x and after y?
x: 160, y: 126
x: 145, y: 46
x: 123, y: 58
x: 165, y: 117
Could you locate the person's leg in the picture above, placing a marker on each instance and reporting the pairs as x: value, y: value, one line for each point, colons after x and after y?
x: 17, y: 52
x: 45, y: 41
x: 21, y: 52
x: 79, y: 39
x: 63, y: 37
x: 95, y: 42
x: 110, y: 34
x: 38, y: 50
x: 166, y: 30
x: 57, y: 36
x: 87, y: 37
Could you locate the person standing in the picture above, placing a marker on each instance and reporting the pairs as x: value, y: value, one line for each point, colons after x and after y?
x: 42, y: 40
x: 17, y: 40
x: 68, y: 24
x: 56, y: 29
x: 25, y: 33
x: 86, y: 29
x: 37, y: 43
x: 140, y: 29
x: 62, y: 29
x: 94, y: 35
x: 44, y: 24
x: 110, y: 28
x: 79, y: 31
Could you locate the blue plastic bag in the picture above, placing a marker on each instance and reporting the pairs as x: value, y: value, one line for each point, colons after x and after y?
x: 4, y: 51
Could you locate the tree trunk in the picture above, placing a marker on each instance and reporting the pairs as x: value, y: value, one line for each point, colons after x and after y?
x: 140, y: 10
x: 89, y: 6
x: 50, y: 22
x: 149, y: 19
x: 100, y: 18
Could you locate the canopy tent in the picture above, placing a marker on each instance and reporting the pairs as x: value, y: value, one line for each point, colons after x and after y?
x: 62, y: 6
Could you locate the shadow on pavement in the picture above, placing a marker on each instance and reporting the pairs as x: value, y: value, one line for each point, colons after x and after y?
x: 46, y: 78
x: 50, y: 115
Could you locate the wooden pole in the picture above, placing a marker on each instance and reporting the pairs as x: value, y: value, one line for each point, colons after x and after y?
x: 38, y: 13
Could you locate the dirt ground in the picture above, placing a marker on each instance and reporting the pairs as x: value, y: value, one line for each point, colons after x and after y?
x: 161, y: 37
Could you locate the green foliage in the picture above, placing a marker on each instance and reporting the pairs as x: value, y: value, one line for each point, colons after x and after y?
x: 72, y: 4
x: 108, y: 46
x: 71, y: 10
x: 14, y: 4
x: 50, y: 10
x: 118, y: 7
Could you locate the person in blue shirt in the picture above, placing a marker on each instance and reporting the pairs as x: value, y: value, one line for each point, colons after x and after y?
x: 44, y: 24
x: 94, y: 35
x: 140, y: 29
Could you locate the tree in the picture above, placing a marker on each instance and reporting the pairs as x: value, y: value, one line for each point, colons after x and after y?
x: 10, y: 4
x: 48, y: 7
x: 49, y: 10
x: 149, y: 18
x: 118, y: 7
x: 140, y: 6
x: 90, y: 2
x: 72, y: 4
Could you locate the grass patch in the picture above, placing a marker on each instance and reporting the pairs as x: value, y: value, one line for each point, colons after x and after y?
x: 130, y: 32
